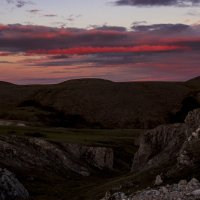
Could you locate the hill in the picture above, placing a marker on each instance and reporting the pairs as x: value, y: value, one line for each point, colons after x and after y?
x: 195, y: 82
x: 98, y: 103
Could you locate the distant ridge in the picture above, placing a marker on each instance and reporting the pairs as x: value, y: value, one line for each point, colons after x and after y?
x: 194, y: 82
x: 194, y: 79
x: 99, y: 80
x: 6, y: 83
x: 87, y: 80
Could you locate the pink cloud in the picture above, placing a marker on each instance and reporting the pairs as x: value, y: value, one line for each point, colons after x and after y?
x: 92, y: 50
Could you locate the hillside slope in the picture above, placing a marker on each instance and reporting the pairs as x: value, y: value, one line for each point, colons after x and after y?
x: 100, y: 103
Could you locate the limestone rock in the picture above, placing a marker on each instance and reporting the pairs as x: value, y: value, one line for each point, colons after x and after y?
x: 10, y: 187
x: 169, y: 192
x: 182, y: 184
x: 158, y: 180
x: 119, y: 196
x: 193, y: 119
x: 60, y: 158
x: 158, y: 145
x: 189, y: 153
x: 184, y: 158
x: 173, y: 143
x: 115, y: 196
x: 196, y: 193
x: 164, y: 190
x: 194, y: 184
x: 99, y: 157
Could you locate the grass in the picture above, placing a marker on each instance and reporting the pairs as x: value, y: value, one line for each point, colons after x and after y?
x: 105, y: 137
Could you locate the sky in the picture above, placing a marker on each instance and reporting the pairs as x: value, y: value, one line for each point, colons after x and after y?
x: 50, y: 41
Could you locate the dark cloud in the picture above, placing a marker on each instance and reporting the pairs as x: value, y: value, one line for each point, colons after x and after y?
x: 5, y: 62
x: 34, y: 11
x: 172, y: 28
x: 20, y: 3
x: 72, y: 17
x: 50, y: 15
x: 98, y: 60
x: 18, y: 38
x: 158, y: 2
x: 60, y: 56
x: 137, y: 23
x: 154, y: 38
x: 111, y: 28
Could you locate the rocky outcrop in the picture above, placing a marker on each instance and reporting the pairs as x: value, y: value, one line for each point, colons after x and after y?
x: 10, y: 187
x: 99, y: 157
x: 158, y: 180
x: 160, y: 145
x: 27, y: 153
x: 182, y: 191
x: 189, y: 154
x: 171, y: 144
x: 193, y: 119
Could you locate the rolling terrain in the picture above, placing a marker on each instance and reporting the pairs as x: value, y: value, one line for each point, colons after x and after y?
x: 96, y: 103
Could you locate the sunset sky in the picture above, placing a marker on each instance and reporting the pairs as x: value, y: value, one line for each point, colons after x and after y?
x: 50, y: 41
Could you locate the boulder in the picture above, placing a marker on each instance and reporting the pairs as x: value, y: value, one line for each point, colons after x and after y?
x: 182, y: 184
x: 158, y: 180
x: 193, y: 184
x: 10, y: 187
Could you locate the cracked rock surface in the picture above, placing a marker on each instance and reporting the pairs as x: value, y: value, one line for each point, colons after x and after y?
x: 10, y: 187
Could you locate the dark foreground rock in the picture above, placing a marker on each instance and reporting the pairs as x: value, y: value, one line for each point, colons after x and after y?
x: 182, y: 191
x: 10, y: 187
